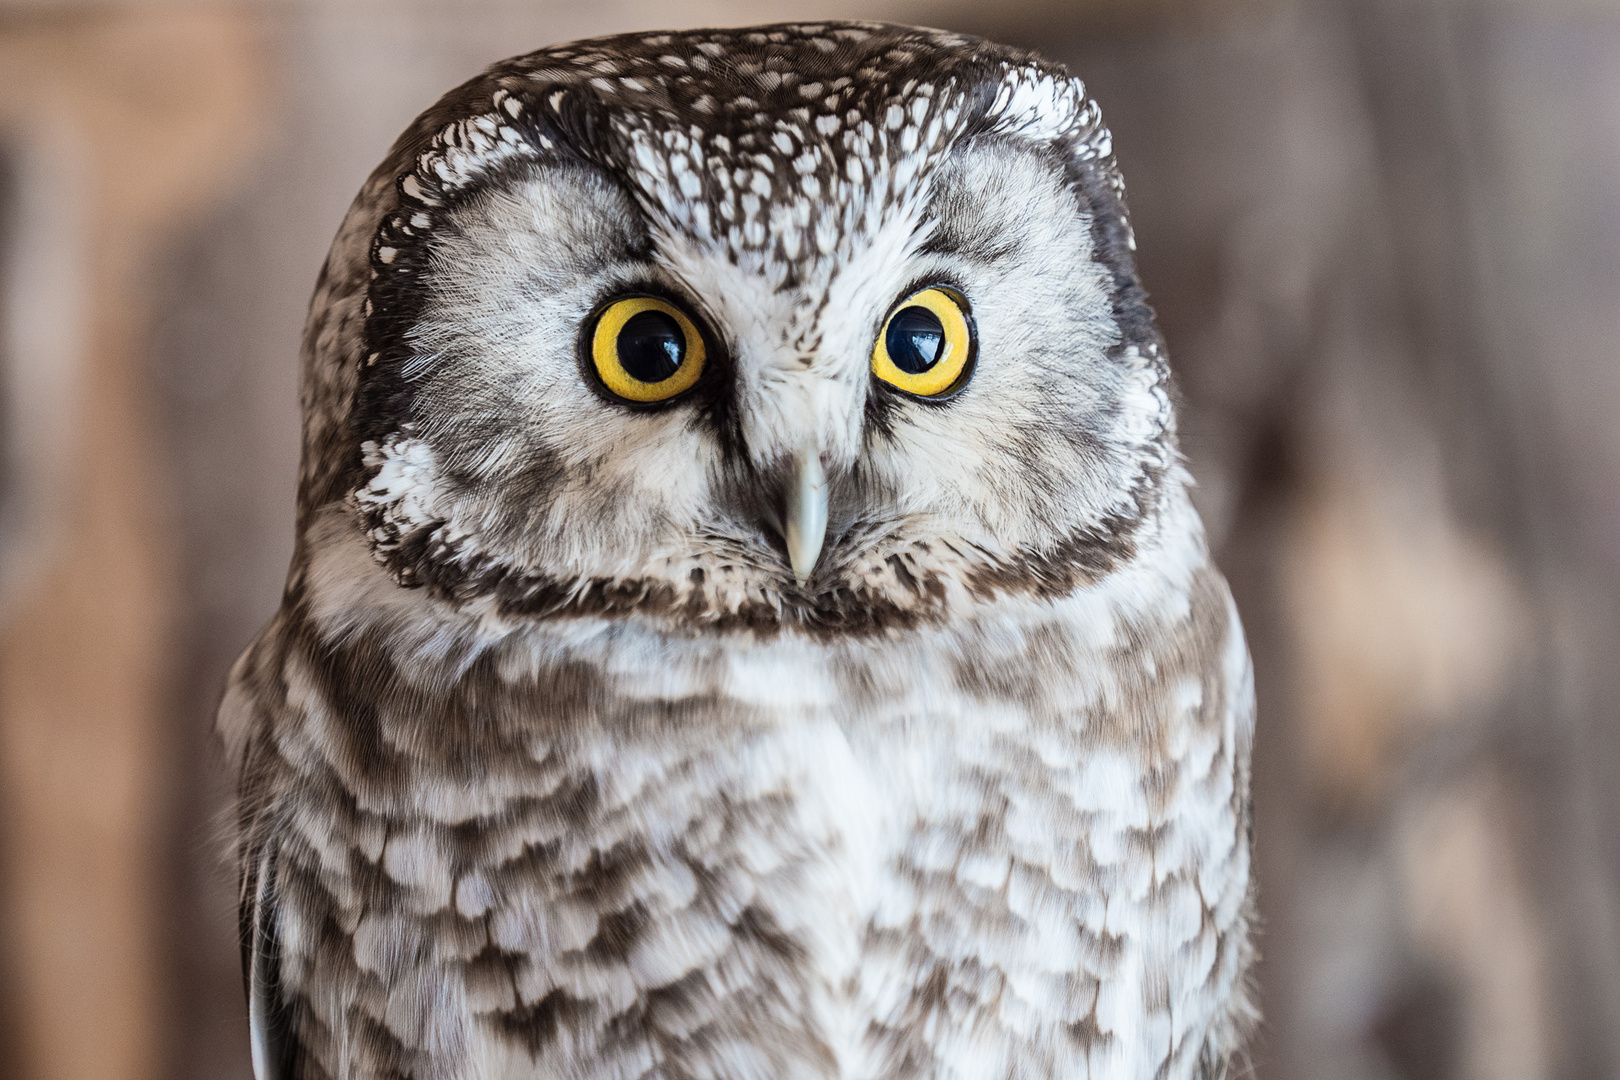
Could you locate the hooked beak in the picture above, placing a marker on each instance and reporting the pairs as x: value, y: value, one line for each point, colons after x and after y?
x: 806, y: 513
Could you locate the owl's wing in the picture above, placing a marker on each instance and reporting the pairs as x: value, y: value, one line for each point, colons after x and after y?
x: 276, y: 1055
x: 242, y: 726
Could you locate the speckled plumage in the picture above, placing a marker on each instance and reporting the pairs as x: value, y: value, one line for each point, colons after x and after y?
x: 550, y: 766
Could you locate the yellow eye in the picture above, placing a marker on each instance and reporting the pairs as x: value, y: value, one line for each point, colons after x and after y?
x: 645, y: 349
x: 926, y: 347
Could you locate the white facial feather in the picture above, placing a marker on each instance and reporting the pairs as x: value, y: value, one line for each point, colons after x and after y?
x: 641, y: 488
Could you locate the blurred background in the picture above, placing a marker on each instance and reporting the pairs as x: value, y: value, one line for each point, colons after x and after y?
x: 1383, y: 238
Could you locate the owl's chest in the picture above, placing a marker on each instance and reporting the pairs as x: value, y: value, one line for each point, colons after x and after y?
x: 650, y: 865
x: 773, y: 793
x: 828, y: 865
x: 780, y: 786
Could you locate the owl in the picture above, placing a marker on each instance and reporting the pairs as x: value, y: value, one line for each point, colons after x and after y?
x: 747, y: 619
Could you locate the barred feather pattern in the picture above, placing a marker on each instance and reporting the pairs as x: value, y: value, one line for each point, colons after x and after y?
x: 614, y: 851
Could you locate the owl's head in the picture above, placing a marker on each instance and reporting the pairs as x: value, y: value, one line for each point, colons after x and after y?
x: 828, y: 325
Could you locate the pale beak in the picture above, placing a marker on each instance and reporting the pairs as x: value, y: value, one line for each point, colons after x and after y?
x: 806, y: 513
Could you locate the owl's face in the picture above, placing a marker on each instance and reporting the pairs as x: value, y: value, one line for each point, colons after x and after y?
x: 833, y: 325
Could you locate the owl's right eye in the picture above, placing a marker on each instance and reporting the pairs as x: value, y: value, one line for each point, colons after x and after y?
x: 645, y: 349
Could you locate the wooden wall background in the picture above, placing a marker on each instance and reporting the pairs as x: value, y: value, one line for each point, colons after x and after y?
x: 1383, y: 237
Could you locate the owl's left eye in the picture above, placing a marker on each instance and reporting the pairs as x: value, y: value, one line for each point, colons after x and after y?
x: 645, y: 349
x: 926, y: 345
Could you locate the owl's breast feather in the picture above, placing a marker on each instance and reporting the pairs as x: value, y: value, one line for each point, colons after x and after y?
x: 1018, y: 839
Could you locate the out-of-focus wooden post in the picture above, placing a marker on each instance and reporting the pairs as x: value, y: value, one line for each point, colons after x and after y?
x: 159, y: 107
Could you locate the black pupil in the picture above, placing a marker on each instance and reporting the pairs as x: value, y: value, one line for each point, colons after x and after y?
x: 915, y: 340
x: 651, y: 346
